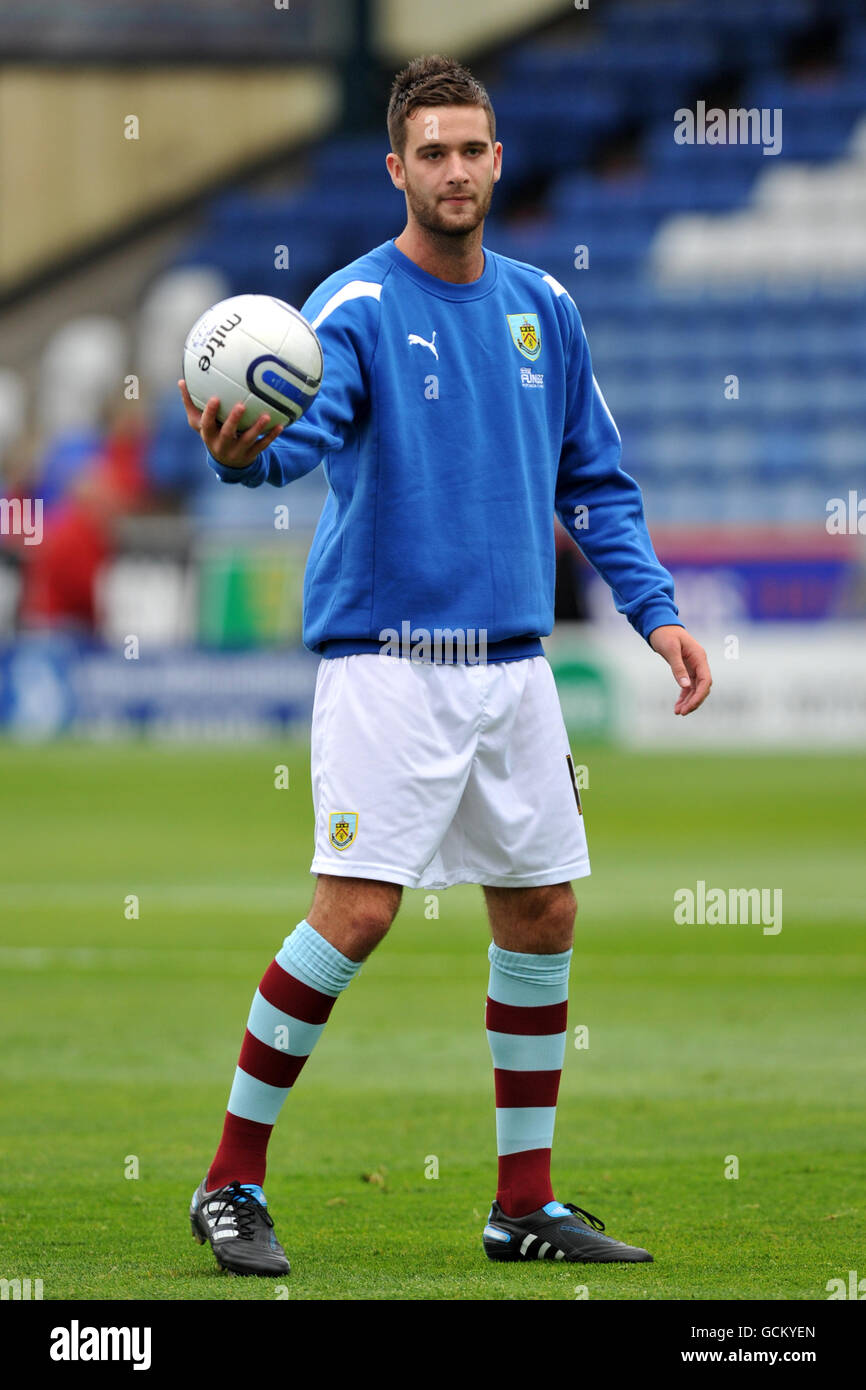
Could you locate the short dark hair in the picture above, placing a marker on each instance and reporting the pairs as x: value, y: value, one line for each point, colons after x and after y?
x: 433, y: 81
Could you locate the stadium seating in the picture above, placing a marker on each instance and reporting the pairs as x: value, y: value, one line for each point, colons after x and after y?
x: 706, y: 263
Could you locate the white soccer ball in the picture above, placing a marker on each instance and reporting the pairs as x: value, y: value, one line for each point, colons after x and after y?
x: 253, y: 349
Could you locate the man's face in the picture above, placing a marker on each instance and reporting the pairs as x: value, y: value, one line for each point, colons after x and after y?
x: 448, y: 168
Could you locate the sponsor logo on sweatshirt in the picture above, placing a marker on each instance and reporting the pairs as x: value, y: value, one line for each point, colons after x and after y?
x: 530, y: 378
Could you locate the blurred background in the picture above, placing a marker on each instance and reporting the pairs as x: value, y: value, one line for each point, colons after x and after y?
x: 155, y: 826
x: 156, y: 158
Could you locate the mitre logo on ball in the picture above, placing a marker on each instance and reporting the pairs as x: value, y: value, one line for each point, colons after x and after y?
x: 257, y: 351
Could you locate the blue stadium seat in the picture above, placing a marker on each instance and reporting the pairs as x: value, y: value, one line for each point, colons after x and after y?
x: 854, y: 47
x: 351, y: 160
x: 816, y: 101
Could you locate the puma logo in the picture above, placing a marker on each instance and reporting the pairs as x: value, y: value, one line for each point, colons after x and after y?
x: 415, y: 339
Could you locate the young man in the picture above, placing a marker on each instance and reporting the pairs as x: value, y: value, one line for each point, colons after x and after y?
x: 458, y: 411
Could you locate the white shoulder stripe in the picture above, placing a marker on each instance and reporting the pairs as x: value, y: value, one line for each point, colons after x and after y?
x: 356, y: 289
x: 557, y: 288
x: 604, y: 406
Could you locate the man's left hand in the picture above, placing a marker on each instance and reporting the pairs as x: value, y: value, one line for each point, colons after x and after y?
x: 688, y: 661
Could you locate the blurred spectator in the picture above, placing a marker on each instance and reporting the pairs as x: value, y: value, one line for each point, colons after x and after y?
x: 87, y: 481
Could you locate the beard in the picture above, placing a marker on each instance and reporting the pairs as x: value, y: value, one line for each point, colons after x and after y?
x: 429, y: 213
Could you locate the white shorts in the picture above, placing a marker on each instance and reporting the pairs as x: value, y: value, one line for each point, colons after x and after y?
x: 430, y: 775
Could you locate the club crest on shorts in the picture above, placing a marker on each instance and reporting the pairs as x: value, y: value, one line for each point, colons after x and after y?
x: 525, y: 334
x: 342, y: 828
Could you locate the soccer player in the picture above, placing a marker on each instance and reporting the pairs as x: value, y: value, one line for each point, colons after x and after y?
x: 457, y: 413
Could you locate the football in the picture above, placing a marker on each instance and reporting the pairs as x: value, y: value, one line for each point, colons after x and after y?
x: 256, y: 350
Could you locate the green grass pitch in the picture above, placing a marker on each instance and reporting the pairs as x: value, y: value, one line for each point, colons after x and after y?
x: 706, y: 1042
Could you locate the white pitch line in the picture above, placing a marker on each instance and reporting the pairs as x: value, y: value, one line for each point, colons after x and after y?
x: 439, y: 966
x: 181, y: 897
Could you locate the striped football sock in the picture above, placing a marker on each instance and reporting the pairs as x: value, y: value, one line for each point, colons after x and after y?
x: 289, y: 1011
x: 527, y: 1006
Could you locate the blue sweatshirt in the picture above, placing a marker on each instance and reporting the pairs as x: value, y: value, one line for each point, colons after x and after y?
x: 452, y: 421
